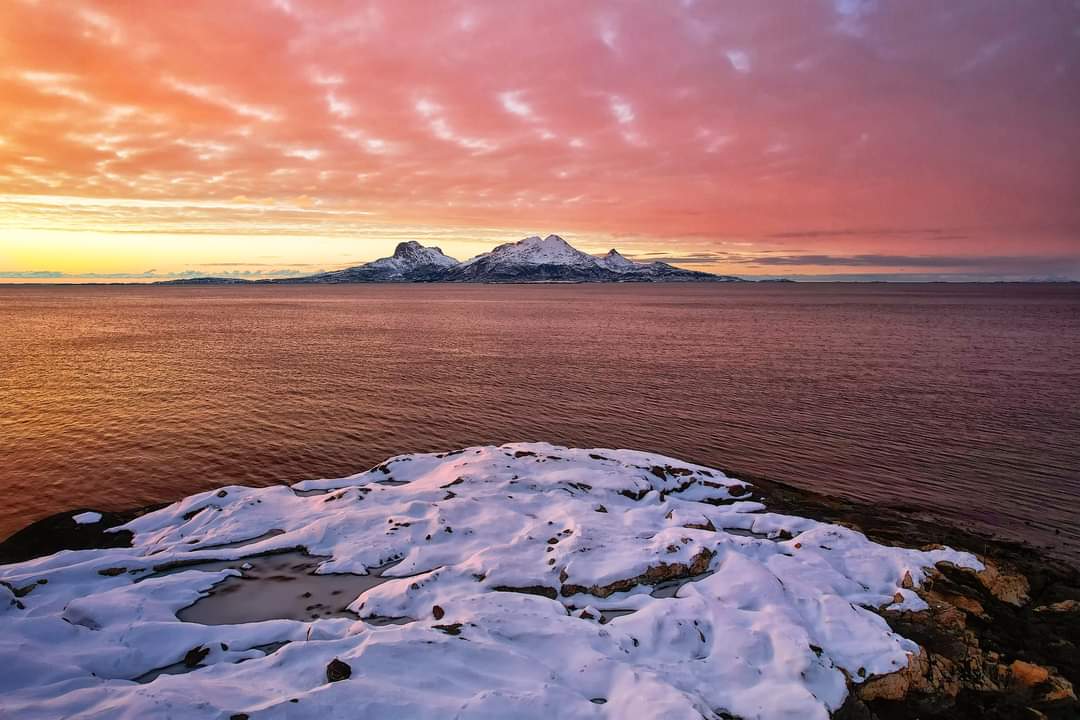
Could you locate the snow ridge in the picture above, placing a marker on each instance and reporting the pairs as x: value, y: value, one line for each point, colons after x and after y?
x: 533, y: 250
x: 532, y: 581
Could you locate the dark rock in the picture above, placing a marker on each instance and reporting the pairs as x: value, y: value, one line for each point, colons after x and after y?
x: 437, y: 612
x: 454, y: 629
x: 195, y: 656
x: 707, y: 525
x: 338, y: 670
x: 59, y: 532
x: 541, y: 590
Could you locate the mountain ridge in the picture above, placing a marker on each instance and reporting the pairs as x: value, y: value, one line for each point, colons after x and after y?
x: 530, y: 260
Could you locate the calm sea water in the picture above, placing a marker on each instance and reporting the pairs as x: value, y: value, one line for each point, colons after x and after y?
x: 962, y: 400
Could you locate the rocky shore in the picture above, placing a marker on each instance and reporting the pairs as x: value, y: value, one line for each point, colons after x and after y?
x: 999, y: 644
x: 997, y: 640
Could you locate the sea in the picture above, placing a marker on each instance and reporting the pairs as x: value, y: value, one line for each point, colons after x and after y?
x: 956, y: 401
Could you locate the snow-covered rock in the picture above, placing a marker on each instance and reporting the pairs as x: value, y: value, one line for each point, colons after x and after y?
x: 87, y: 518
x: 552, y: 250
x: 531, y: 259
x: 531, y: 581
x: 411, y: 262
x: 616, y: 262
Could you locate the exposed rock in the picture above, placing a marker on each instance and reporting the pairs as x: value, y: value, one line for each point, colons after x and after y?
x: 1010, y: 587
x: 60, y: 532
x: 1062, y: 607
x: 707, y: 525
x: 337, y: 670
x: 437, y: 612
x: 1028, y: 674
x: 541, y: 590
x: 1059, y: 689
x: 195, y: 656
x: 895, y: 686
x: 1022, y: 608
x: 658, y: 573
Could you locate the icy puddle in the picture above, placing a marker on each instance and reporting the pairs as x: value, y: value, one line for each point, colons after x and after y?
x: 276, y: 587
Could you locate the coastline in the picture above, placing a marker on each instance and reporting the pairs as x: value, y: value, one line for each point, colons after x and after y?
x: 1000, y: 643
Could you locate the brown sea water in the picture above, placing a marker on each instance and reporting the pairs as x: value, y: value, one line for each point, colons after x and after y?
x: 960, y: 400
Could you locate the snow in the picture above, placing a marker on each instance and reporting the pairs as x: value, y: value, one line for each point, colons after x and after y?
x: 772, y: 620
x: 409, y: 255
x: 86, y: 518
x: 533, y: 250
x: 616, y: 262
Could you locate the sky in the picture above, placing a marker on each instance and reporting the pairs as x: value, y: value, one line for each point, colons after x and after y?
x: 846, y: 139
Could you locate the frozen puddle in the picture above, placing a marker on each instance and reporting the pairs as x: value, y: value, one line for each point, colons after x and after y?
x: 276, y: 587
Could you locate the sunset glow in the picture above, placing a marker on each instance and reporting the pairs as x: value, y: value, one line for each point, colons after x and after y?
x: 147, y: 140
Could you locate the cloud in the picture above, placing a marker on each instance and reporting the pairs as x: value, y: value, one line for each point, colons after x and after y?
x: 644, y: 118
x: 621, y: 109
x: 739, y: 60
x: 513, y: 104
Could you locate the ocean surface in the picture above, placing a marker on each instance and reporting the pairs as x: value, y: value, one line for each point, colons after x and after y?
x: 957, y: 401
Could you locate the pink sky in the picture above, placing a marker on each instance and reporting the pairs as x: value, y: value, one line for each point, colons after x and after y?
x: 755, y: 138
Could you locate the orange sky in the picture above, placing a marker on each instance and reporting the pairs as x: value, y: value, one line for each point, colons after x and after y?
x: 264, y: 137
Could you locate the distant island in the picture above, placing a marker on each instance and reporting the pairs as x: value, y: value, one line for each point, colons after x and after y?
x: 531, y: 260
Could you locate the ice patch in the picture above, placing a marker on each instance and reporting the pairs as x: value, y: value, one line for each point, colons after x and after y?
x: 526, y: 580
x: 87, y: 518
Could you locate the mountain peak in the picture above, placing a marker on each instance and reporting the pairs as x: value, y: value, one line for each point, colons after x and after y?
x: 408, y: 248
x: 412, y: 252
x: 534, y: 250
x: 616, y: 261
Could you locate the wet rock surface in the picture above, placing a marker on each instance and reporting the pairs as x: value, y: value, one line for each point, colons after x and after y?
x: 61, y: 532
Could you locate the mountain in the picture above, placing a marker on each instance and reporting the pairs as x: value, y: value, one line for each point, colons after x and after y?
x: 532, y: 259
x: 411, y: 262
x: 656, y: 271
x: 550, y: 259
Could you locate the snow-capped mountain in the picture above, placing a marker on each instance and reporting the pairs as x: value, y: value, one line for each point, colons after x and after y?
x: 656, y: 271
x: 530, y: 260
x: 411, y: 262
x: 533, y: 259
